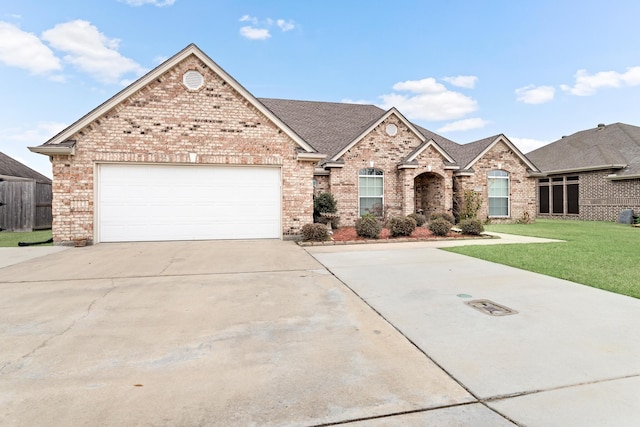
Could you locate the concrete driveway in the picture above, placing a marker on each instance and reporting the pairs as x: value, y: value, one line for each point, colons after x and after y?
x: 570, y: 356
x: 202, y: 333
x: 261, y: 333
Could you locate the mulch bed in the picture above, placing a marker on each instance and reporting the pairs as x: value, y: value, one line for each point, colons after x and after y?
x: 348, y: 235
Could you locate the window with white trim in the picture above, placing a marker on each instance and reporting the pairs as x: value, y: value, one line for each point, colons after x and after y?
x: 371, y: 191
x: 498, y: 183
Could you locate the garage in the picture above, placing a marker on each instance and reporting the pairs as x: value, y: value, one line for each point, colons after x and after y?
x: 187, y: 202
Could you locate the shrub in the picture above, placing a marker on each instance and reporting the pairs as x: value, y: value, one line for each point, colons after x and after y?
x: 443, y: 215
x: 315, y: 232
x: 440, y: 226
x: 470, y: 204
x: 471, y: 226
x: 325, y: 203
x: 524, y: 218
x: 401, y: 226
x: 419, y: 218
x: 368, y: 227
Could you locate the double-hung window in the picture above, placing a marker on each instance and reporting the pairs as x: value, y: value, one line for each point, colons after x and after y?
x: 498, y: 183
x: 371, y: 191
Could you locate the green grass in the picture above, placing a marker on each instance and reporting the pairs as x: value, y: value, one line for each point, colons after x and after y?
x: 8, y: 239
x: 603, y: 255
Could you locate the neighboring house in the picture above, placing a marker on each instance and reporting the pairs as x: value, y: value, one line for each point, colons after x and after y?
x: 187, y: 153
x: 592, y: 175
x: 25, y: 197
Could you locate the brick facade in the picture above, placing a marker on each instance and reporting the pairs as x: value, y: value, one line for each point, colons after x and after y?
x: 602, y: 199
x: 381, y: 151
x: 163, y: 123
x: 522, y: 187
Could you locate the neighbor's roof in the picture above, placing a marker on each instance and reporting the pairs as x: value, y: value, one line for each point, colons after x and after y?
x: 12, y: 167
x: 615, y: 146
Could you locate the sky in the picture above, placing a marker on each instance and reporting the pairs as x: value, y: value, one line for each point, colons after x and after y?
x: 465, y: 69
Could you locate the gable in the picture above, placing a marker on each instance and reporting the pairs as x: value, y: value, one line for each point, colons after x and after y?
x: 139, y: 92
x: 392, y: 120
x: 483, y: 147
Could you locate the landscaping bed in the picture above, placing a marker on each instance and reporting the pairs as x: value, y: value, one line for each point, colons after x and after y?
x: 348, y: 235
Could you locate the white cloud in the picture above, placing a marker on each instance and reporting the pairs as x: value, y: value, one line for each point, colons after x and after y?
x: 260, y: 29
x: 253, y: 33
x: 463, y: 125
x: 532, y: 94
x: 285, y: 25
x: 158, y: 3
x: 25, y: 50
x: 91, y: 51
x: 527, y: 145
x: 467, y: 82
x: 588, y: 84
x: 249, y: 18
x: 39, y: 134
x: 428, y: 100
x: 359, y: 101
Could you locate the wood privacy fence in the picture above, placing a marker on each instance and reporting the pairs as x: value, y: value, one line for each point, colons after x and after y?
x: 25, y: 205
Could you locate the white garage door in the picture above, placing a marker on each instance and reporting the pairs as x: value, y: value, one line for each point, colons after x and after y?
x: 152, y: 202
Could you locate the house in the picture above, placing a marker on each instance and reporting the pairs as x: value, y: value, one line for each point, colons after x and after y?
x: 187, y: 153
x: 592, y: 175
x: 25, y: 197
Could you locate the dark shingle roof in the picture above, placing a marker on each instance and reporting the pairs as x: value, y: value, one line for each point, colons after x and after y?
x: 12, y: 167
x: 326, y: 126
x: 612, y: 145
x: 329, y: 126
x: 470, y: 151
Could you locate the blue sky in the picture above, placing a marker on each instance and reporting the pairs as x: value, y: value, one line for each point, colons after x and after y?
x: 533, y: 70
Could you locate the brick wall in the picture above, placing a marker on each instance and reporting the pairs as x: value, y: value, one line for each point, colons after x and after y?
x: 163, y: 123
x: 386, y: 152
x: 522, y: 188
x: 602, y: 199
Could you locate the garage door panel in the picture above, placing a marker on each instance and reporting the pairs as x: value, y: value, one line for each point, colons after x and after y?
x: 150, y: 202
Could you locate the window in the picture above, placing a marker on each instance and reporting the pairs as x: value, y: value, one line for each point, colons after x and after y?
x: 498, y: 182
x: 559, y: 195
x: 371, y: 191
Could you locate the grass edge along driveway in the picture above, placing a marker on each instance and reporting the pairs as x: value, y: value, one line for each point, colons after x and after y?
x: 603, y: 255
x: 9, y: 239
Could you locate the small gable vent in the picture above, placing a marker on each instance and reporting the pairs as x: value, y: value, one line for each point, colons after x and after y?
x: 193, y: 80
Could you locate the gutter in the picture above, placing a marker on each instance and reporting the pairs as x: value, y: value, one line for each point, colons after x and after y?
x: 54, y: 150
x: 583, y: 169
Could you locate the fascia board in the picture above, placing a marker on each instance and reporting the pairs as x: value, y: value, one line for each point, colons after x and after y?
x: 431, y: 143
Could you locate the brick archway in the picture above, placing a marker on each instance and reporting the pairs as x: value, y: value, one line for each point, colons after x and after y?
x: 429, y: 190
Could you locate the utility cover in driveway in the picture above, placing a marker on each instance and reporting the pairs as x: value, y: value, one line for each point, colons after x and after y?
x: 490, y: 307
x: 187, y: 202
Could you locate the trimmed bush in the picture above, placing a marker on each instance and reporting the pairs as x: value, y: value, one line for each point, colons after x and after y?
x: 419, y: 218
x: 440, y: 226
x: 315, y: 232
x: 471, y: 226
x: 401, y: 226
x: 325, y: 203
x: 368, y: 227
x: 444, y: 215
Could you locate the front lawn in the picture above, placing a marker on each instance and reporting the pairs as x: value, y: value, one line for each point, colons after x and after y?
x: 604, y: 255
x: 9, y: 239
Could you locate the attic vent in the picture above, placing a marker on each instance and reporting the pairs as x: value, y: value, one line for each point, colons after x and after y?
x: 193, y: 80
x: 601, y: 125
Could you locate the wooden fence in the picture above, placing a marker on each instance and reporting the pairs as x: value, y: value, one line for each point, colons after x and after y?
x: 25, y: 205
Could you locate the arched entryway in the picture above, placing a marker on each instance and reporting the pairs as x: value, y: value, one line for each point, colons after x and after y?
x: 429, y: 189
